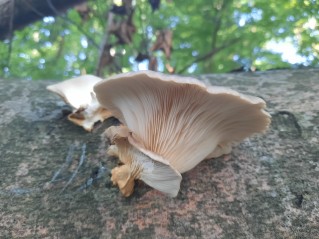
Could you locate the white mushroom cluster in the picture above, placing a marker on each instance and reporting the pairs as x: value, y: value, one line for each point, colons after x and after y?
x: 170, y: 124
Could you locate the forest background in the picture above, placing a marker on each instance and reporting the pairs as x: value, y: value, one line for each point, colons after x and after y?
x: 105, y: 37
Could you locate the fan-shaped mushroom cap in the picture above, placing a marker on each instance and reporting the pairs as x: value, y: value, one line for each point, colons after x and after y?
x: 78, y: 93
x: 175, y: 121
x: 180, y: 118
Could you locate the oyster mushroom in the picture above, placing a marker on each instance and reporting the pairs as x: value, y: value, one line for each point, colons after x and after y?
x: 78, y: 93
x: 178, y: 119
x: 138, y: 163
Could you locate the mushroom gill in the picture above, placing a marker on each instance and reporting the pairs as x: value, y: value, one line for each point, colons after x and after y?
x: 180, y: 119
x: 78, y: 93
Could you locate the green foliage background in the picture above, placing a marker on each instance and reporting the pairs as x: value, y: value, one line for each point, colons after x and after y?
x: 237, y: 32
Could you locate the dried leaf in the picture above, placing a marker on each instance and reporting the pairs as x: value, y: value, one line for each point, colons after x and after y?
x: 83, y: 10
x: 105, y: 59
x: 123, y: 30
x: 163, y: 42
x: 152, y: 65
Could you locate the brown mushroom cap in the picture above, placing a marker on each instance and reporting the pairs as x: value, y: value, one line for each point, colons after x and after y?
x: 179, y: 118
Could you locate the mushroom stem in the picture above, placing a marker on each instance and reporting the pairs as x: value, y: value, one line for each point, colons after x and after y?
x: 138, y: 165
x: 114, y: 133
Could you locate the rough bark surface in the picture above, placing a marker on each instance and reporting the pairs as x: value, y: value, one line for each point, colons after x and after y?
x: 54, y: 178
x: 15, y: 14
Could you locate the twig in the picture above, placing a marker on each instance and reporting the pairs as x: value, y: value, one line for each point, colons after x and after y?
x: 104, y: 42
x: 11, y: 31
x: 33, y: 8
x: 217, y: 24
x: 91, y: 40
x: 208, y: 55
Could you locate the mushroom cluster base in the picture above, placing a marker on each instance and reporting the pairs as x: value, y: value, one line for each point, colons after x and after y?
x: 136, y: 165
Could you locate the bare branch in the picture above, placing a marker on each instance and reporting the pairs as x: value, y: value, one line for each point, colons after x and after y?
x: 56, y: 12
x: 217, y: 23
x: 11, y: 31
x: 103, y: 45
x: 24, y: 14
x: 209, y: 54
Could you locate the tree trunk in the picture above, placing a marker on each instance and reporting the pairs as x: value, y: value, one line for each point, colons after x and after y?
x: 15, y: 14
x: 54, y: 176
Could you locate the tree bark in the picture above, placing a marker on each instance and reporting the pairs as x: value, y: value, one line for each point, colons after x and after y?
x: 54, y: 176
x: 15, y: 14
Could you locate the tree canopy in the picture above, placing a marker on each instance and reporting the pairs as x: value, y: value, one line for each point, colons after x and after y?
x: 176, y: 36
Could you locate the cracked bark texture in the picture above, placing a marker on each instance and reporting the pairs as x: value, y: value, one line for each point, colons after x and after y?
x: 54, y: 176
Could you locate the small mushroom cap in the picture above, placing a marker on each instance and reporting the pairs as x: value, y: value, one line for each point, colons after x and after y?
x: 87, y: 117
x: 180, y: 118
x: 76, y: 92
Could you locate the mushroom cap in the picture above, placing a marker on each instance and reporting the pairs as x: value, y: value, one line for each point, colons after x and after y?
x: 77, y: 91
x: 180, y: 118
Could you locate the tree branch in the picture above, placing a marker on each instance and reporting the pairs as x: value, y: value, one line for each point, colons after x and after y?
x: 24, y: 14
x: 11, y: 31
x: 217, y: 23
x: 55, y: 10
x: 104, y: 44
x: 208, y: 55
